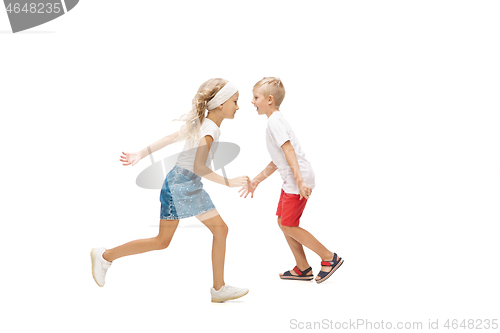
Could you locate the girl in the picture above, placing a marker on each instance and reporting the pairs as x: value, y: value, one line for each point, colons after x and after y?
x: 182, y: 194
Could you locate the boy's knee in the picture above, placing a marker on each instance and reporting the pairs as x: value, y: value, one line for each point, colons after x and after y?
x: 287, y: 230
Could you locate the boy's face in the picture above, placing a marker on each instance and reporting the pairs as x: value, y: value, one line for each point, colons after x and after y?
x: 260, y: 101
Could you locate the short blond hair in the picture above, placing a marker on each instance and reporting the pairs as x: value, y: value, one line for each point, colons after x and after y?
x: 272, y: 86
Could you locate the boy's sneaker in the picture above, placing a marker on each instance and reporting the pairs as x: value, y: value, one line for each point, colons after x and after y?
x: 99, y: 265
x: 226, y: 293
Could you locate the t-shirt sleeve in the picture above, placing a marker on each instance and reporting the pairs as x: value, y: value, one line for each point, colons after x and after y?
x: 278, y: 132
x: 210, y: 130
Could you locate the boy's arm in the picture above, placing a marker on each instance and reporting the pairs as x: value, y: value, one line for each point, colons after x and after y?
x: 201, y: 169
x: 133, y: 158
x: 268, y: 170
x: 291, y: 158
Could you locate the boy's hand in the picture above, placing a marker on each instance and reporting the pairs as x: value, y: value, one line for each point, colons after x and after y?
x: 239, y: 181
x: 130, y: 158
x: 305, y: 190
x: 250, y: 188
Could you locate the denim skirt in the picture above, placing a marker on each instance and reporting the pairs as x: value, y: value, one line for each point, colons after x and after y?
x: 182, y: 195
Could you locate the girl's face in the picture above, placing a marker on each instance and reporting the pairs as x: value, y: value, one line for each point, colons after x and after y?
x: 230, y: 106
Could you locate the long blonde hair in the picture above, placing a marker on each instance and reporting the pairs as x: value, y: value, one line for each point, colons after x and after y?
x: 194, y: 118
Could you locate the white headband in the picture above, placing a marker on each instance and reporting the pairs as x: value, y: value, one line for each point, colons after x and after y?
x: 223, y: 95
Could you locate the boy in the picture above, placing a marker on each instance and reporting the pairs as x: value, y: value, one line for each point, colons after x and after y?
x: 298, y: 181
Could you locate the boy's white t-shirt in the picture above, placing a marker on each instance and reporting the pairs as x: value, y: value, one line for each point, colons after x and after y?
x: 188, y: 155
x: 278, y: 133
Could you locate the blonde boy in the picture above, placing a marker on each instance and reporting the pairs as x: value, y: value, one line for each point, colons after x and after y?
x: 298, y: 182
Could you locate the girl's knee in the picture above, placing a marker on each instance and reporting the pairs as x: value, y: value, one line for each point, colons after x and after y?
x: 162, y: 243
x: 222, y: 230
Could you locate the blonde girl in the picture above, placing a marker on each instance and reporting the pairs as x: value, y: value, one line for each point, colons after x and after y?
x: 182, y: 194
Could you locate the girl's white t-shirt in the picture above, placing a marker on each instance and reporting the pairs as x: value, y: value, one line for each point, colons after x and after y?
x: 278, y: 133
x: 188, y: 155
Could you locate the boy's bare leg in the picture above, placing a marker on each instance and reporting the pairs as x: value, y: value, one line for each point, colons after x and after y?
x: 167, y: 230
x: 305, y: 238
x: 219, y: 229
x: 298, y: 252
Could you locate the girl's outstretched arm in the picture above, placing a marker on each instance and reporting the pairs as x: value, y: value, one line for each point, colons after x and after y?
x: 269, y: 170
x: 200, y: 168
x: 133, y: 158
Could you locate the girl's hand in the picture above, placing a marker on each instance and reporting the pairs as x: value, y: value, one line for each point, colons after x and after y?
x: 305, y: 190
x: 130, y: 158
x: 250, y: 188
x: 239, y: 181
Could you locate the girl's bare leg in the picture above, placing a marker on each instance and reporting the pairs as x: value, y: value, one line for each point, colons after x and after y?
x: 160, y: 242
x: 219, y: 229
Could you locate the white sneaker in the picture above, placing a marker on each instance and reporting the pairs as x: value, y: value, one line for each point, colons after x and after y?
x: 226, y: 293
x: 99, y: 265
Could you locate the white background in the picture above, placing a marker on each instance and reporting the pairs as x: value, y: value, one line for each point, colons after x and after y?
x: 395, y: 104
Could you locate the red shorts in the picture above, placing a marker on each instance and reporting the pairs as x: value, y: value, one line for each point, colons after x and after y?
x: 290, y: 209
